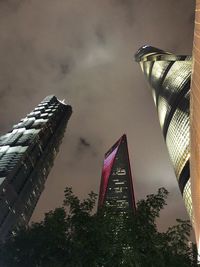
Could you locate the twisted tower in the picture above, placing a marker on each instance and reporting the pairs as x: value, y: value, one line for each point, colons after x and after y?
x: 169, y: 77
x: 195, y: 126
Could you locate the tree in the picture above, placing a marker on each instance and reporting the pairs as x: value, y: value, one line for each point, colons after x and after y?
x: 74, y: 236
x: 160, y: 249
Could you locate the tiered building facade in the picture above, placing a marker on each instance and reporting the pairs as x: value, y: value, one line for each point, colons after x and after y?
x: 27, y: 153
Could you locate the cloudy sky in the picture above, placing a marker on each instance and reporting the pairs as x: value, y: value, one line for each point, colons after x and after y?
x: 83, y: 51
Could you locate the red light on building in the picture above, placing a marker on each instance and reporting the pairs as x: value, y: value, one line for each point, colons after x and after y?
x: 116, y: 181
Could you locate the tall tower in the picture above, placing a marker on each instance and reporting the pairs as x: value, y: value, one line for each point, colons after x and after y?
x: 27, y: 153
x: 116, y: 187
x: 169, y: 77
x: 195, y: 127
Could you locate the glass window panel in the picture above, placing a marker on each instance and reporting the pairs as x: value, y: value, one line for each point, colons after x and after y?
x: 162, y: 110
x: 177, y: 140
x: 147, y: 67
x: 177, y: 75
x: 158, y: 71
x: 187, y: 197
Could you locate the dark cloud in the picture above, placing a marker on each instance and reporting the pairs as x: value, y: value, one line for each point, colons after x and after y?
x: 65, y: 68
x: 84, y: 143
x: 82, y: 146
x: 85, y: 149
x: 4, y: 92
x: 100, y: 35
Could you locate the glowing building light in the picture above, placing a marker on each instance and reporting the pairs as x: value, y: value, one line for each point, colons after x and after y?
x: 195, y: 126
x: 169, y: 77
x: 116, y: 186
x: 27, y: 154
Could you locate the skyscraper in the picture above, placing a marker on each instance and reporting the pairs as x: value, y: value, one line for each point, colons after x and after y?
x: 195, y: 127
x: 169, y: 77
x: 116, y: 187
x: 27, y: 153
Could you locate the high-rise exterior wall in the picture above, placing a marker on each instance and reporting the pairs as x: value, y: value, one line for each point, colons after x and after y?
x: 116, y: 189
x: 169, y: 77
x: 27, y: 153
x: 195, y: 126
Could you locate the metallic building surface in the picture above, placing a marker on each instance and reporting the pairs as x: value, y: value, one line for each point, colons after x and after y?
x: 169, y: 77
x: 195, y: 126
x: 27, y: 153
x: 116, y: 187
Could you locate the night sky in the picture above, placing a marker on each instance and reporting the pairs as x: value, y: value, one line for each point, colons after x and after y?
x: 83, y: 51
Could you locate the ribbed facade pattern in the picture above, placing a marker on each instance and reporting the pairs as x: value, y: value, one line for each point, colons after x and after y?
x: 195, y: 126
x: 27, y: 153
x: 169, y: 77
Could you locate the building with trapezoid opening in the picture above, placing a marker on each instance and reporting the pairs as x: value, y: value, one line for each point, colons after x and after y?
x: 116, y: 188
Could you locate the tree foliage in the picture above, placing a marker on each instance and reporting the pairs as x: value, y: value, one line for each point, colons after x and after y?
x: 74, y: 236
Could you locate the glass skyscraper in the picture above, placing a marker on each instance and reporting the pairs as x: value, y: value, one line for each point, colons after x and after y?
x: 195, y: 126
x: 169, y: 77
x: 116, y: 188
x: 27, y: 153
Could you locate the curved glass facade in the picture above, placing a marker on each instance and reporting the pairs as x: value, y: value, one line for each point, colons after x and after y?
x: 162, y: 110
x: 188, y: 200
x: 178, y: 140
x: 169, y: 76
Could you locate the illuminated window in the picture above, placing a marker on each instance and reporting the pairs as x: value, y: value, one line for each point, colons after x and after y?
x: 118, y: 189
x: 120, y: 172
x: 147, y: 67
x: 23, y: 216
x: 158, y: 71
x: 177, y: 75
x: 177, y: 140
x: 44, y: 171
x: 154, y: 96
x: 187, y: 197
x: 162, y: 110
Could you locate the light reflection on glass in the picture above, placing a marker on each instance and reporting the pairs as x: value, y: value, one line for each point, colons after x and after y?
x: 187, y: 197
x: 162, y: 110
x: 177, y: 140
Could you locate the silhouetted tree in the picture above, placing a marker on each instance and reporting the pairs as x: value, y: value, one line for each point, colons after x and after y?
x: 74, y: 236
